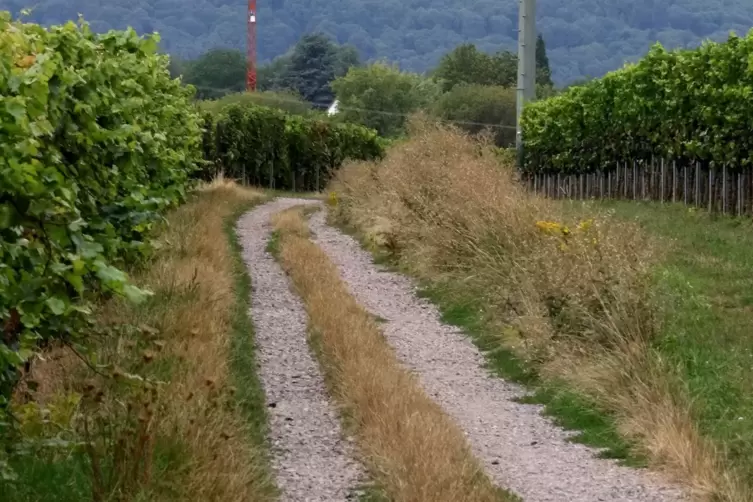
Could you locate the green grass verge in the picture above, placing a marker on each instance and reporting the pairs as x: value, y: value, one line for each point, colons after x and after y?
x: 568, y: 409
x: 706, y: 291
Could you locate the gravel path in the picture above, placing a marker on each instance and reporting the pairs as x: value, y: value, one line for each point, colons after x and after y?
x: 522, y: 450
x: 310, y: 458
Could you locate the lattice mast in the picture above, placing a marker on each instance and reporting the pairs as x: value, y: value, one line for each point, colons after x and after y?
x: 251, y: 48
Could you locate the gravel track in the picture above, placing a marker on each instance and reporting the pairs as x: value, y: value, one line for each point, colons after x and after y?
x: 522, y: 450
x: 311, y: 460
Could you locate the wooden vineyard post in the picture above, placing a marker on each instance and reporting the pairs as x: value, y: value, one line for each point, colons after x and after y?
x: 697, y: 184
x: 558, y: 186
x: 662, y: 179
x: 724, y: 189
x: 739, y: 200
x: 609, y: 184
x: 643, y: 180
x: 635, y: 181
x: 685, y: 184
x: 711, y: 187
x: 674, y: 181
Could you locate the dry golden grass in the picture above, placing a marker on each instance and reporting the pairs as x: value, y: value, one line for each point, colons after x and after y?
x: 192, y: 419
x: 568, y: 292
x: 413, y: 450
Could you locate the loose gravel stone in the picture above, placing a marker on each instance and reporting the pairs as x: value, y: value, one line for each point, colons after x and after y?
x: 522, y: 450
x: 311, y: 459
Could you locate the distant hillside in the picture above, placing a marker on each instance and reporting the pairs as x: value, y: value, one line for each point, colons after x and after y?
x: 584, y: 37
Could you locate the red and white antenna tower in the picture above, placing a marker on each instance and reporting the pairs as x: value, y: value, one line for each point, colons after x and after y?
x: 251, y: 48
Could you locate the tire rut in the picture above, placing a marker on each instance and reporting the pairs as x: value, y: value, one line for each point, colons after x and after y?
x: 311, y: 460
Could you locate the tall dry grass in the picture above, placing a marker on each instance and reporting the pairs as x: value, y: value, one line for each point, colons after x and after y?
x: 413, y: 450
x: 568, y: 292
x: 180, y: 435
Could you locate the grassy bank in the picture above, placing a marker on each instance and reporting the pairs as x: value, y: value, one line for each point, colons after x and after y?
x: 706, y: 285
x: 413, y: 451
x: 562, y: 298
x: 166, y: 406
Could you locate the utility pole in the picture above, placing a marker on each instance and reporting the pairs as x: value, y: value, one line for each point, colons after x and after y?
x: 251, y: 48
x: 526, y: 65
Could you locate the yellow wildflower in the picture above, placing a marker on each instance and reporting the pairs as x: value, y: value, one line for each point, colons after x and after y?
x: 333, y: 198
x: 585, y: 225
x: 548, y: 226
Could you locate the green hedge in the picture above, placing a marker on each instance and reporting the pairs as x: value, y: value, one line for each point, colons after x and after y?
x: 686, y: 105
x: 96, y: 140
x: 269, y: 148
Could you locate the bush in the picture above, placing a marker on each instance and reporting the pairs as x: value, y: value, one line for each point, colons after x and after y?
x: 686, y: 105
x: 97, y: 140
x: 381, y: 96
x: 478, y: 107
x: 267, y: 147
x: 286, y: 101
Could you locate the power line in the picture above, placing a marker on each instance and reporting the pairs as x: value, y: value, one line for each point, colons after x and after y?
x: 361, y: 110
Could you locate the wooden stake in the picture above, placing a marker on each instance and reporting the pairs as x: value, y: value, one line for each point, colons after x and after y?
x: 724, y: 189
x: 674, y: 181
x: 697, y: 183
x: 662, y: 179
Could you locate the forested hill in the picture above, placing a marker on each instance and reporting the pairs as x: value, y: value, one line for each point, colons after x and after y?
x: 584, y: 37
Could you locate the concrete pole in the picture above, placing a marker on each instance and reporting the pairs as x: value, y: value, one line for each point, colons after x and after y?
x: 526, y: 65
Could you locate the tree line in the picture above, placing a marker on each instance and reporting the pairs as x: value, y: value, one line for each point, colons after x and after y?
x: 470, y: 87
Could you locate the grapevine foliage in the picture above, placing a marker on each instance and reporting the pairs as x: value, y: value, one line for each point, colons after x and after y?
x: 96, y: 140
x: 268, y: 147
x: 686, y: 105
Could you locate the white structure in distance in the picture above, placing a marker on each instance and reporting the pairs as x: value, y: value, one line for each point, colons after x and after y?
x: 332, y: 108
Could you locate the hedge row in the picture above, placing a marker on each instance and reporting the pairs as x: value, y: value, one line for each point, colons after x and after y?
x: 96, y: 140
x: 270, y: 148
x: 686, y: 105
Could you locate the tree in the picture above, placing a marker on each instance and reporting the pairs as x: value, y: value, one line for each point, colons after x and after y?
x: 543, y: 72
x: 313, y: 65
x: 467, y: 65
x: 380, y: 96
x: 309, y: 68
x: 273, y: 76
x: 478, y: 107
x: 216, y: 73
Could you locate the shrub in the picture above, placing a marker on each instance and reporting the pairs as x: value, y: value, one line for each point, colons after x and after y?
x: 286, y: 101
x: 97, y: 140
x: 687, y: 105
x: 267, y: 147
x: 478, y: 107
